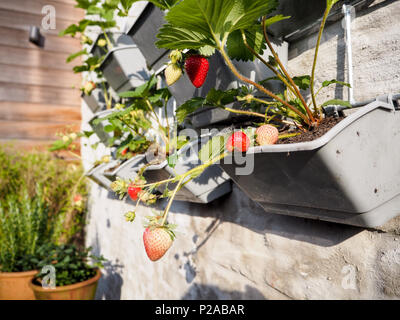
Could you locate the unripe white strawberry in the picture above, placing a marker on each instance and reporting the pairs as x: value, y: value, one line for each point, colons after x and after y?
x: 266, y: 135
x: 89, y: 87
x: 102, y: 42
x: 172, y: 74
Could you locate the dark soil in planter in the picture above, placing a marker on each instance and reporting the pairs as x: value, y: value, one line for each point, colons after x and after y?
x: 325, y: 125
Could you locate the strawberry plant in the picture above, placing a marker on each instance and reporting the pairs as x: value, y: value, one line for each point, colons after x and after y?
x: 234, y: 29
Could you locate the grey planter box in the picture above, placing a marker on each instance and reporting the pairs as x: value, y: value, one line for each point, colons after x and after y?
x: 144, y: 34
x: 97, y: 174
x: 117, y: 39
x: 351, y: 175
x: 95, y: 101
x: 210, y: 185
x: 220, y: 77
x: 125, y: 68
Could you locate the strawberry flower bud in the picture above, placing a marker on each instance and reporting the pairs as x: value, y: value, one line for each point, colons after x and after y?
x: 130, y: 216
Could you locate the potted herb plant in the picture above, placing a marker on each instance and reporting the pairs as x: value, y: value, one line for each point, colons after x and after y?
x: 73, y: 277
x: 42, y: 200
x: 23, y: 224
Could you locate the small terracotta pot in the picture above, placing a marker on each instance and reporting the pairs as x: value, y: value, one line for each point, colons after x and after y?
x: 85, y: 290
x: 16, y: 285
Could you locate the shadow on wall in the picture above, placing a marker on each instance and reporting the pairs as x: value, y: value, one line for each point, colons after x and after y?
x: 237, y: 208
x: 207, y: 292
x: 110, y: 284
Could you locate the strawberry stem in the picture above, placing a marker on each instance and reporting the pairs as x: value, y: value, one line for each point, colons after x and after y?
x: 260, y: 87
x: 298, y: 94
x: 183, y: 176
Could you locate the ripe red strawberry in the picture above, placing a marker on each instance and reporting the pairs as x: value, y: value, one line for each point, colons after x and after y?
x: 267, y: 134
x: 238, y: 141
x: 197, y: 67
x: 133, y: 191
x: 123, y: 152
x: 157, y: 241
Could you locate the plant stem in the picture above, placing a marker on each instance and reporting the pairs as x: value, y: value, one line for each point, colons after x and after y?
x: 298, y: 94
x: 260, y: 87
x: 172, y: 199
x: 183, y: 177
x: 321, y: 29
x: 284, y: 136
x: 276, y: 72
x: 168, y: 127
x: 109, y: 44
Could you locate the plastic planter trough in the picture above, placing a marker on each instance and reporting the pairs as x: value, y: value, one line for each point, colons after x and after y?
x: 350, y: 175
x: 144, y: 34
x: 125, y: 68
x: 220, y: 77
x: 210, y: 185
x: 97, y: 174
x: 117, y: 39
x: 95, y: 101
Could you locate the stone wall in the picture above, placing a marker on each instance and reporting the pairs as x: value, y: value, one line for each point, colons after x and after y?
x: 233, y: 249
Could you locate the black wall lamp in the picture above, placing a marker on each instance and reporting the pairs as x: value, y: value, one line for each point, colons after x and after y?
x: 35, y: 36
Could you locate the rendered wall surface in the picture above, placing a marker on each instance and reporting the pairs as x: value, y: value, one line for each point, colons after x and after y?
x: 231, y: 248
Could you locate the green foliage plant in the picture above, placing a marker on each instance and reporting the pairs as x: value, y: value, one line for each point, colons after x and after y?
x: 42, y: 199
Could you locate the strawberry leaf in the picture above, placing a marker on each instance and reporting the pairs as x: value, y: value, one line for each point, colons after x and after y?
x: 193, y: 24
x: 337, y: 102
x: 75, y: 55
x: 213, y: 148
x: 188, y: 107
x: 328, y: 83
x: 254, y: 38
x: 303, y: 82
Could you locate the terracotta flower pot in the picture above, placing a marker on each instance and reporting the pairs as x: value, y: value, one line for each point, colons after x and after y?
x: 15, y: 285
x: 85, y: 290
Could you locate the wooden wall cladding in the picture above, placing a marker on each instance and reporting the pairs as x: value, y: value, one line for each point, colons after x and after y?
x: 39, y: 93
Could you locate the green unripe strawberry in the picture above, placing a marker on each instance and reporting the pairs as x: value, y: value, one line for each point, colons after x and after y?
x: 172, y: 74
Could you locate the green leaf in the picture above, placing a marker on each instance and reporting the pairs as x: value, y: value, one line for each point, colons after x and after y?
x: 337, y: 102
x: 141, y: 91
x: 85, y: 4
x: 328, y: 83
x: 164, y: 4
x: 270, y: 21
x: 172, y: 159
x: 82, y: 68
x: 75, y: 55
x: 193, y: 24
x: 188, y: 107
x: 303, y: 82
x: 255, y: 39
x: 94, y: 10
x: 73, y: 29
x: 214, y: 147
x: 221, y: 98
